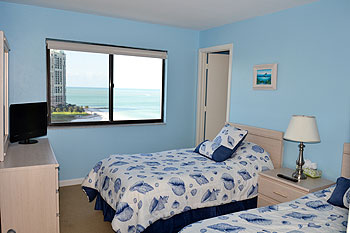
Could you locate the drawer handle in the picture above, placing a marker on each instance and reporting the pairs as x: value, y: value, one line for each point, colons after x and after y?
x: 280, y: 194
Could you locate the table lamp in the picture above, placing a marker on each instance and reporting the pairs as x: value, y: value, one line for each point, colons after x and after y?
x: 302, y: 129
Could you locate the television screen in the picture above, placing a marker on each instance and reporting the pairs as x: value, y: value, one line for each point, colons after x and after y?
x: 28, y: 121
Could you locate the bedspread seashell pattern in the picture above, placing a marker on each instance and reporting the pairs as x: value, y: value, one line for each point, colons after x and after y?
x: 143, y: 188
x: 311, y: 213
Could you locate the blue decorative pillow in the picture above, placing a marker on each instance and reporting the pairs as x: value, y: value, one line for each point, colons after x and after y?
x: 214, y: 151
x: 197, y: 148
x: 341, y: 194
x: 223, y: 145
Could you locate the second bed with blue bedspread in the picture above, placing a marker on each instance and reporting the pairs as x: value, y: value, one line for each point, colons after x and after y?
x: 311, y: 213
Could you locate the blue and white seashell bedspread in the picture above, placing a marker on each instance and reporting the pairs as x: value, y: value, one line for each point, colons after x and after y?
x: 311, y: 213
x: 143, y: 188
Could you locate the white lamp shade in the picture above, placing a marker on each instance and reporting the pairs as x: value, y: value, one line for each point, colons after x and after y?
x: 302, y: 129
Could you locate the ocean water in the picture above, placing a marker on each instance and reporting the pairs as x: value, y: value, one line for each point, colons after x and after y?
x: 128, y: 104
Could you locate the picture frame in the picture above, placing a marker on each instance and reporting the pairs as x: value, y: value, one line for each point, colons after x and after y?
x: 265, y: 77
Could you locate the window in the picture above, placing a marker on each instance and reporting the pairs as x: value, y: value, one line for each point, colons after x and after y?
x: 103, y: 84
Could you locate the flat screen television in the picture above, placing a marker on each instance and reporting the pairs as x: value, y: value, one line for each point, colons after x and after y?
x: 28, y: 121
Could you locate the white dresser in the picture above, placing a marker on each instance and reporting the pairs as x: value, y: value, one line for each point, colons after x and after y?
x: 29, y: 201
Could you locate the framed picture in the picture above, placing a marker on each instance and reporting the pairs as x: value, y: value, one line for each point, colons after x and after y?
x: 265, y: 77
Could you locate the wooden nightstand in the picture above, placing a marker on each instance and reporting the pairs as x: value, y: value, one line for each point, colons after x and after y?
x: 274, y: 190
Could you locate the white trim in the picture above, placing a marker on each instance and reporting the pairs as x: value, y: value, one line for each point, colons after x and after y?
x: 200, y: 97
x: 4, y: 109
x: 200, y: 86
x: 105, y: 49
x: 71, y: 182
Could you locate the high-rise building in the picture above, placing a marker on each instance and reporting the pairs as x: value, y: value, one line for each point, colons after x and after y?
x: 58, y: 77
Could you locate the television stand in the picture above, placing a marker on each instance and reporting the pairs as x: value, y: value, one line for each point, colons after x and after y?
x: 28, y: 141
x: 29, y: 195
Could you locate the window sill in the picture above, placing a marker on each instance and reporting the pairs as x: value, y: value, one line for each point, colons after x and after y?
x: 102, y: 126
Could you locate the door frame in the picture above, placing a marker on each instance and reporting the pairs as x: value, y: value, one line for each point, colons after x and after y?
x: 201, y: 85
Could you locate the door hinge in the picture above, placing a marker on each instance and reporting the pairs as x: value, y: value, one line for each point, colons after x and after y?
x: 207, y: 66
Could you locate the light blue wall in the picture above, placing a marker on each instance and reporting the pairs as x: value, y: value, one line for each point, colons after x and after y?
x: 78, y: 149
x: 311, y: 45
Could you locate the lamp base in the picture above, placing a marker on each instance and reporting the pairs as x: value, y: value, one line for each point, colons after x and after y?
x: 299, y: 175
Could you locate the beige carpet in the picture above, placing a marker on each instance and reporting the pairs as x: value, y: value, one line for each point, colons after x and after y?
x: 77, y: 215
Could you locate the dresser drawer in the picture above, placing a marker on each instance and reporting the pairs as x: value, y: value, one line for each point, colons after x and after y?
x: 278, y: 191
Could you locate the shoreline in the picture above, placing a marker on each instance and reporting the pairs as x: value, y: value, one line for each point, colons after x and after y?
x: 98, y: 115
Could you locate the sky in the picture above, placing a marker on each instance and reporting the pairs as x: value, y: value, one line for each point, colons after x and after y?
x: 263, y: 71
x: 91, y: 70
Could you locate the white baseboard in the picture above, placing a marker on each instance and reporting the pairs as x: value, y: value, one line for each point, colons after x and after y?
x: 71, y: 182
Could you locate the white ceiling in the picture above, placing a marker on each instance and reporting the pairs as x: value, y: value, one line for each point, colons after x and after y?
x: 192, y: 14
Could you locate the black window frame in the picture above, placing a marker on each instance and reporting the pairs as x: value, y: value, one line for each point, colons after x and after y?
x: 110, y: 87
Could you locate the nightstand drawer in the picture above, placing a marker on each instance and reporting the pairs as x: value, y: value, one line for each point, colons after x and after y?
x: 265, y: 201
x: 278, y: 191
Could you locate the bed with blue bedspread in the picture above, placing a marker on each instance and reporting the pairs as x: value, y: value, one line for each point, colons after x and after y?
x: 311, y: 213
x: 143, y: 188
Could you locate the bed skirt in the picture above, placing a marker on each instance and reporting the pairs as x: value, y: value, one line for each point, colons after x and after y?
x: 179, y: 221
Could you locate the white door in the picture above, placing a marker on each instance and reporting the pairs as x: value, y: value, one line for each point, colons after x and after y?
x: 216, y: 94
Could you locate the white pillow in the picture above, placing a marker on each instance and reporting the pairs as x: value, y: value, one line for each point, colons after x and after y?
x: 230, y: 137
x: 346, y: 198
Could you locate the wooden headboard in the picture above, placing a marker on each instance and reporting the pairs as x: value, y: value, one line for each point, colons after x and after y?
x: 270, y: 140
x: 345, y: 168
